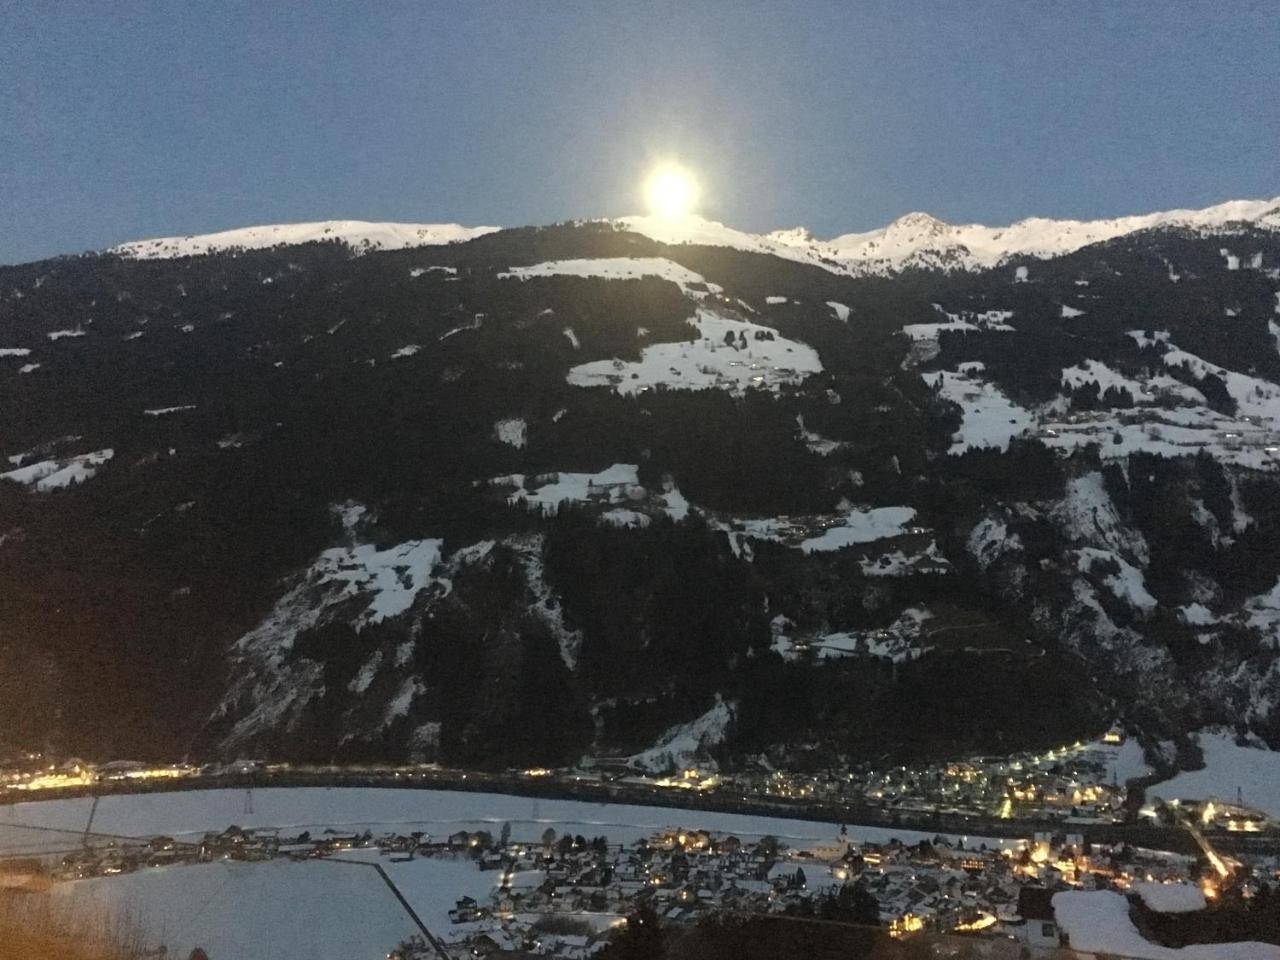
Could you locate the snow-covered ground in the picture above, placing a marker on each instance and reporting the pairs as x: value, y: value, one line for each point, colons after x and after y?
x: 318, y: 910
x: 1170, y: 897
x: 49, y: 475
x: 165, y: 411
x: 1098, y: 922
x: 823, y: 533
x: 991, y: 320
x: 282, y: 910
x: 990, y: 418
x: 1127, y: 584
x: 900, y: 642
x: 681, y: 745
x: 861, y: 526
x: 617, y: 484
x: 512, y: 431
x: 189, y: 814
x: 1255, y: 772
x: 1123, y: 762
x: 616, y: 268
x: 789, y: 245
x: 358, y: 579
x: 359, y: 234
x: 723, y: 353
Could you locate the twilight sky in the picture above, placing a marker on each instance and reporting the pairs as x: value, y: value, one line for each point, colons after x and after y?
x: 126, y: 119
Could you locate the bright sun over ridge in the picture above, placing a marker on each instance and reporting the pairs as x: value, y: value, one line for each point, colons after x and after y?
x: 671, y: 192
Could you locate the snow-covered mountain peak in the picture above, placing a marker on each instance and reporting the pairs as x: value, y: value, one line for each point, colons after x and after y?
x: 915, y: 240
x: 360, y: 234
x: 795, y: 237
x: 917, y: 223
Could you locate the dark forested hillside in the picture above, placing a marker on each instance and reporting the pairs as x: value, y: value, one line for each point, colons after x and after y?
x: 314, y: 503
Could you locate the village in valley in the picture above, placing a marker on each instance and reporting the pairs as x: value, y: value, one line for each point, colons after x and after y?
x: 566, y: 894
x: 563, y: 895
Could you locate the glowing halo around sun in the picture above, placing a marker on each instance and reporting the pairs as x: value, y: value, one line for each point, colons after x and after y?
x: 671, y: 192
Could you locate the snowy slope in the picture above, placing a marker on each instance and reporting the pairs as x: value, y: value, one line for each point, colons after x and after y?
x: 1098, y: 921
x: 789, y: 245
x: 914, y: 240
x: 1228, y: 768
x: 613, y: 268
x: 919, y: 240
x: 728, y: 354
x: 357, y: 233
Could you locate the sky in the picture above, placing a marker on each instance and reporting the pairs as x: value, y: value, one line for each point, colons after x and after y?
x: 126, y: 120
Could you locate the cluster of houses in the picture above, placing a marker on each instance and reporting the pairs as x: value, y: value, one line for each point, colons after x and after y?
x: 563, y: 898
x: 1076, y: 783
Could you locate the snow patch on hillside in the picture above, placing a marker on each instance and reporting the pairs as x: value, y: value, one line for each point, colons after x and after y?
x: 512, y: 431
x: 1228, y: 767
x: 546, y: 605
x: 1169, y: 897
x: 840, y: 310
x: 545, y: 492
x: 1263, y: 614
x: 274, y: 688
x: 990, y: 419
x: 727, y: 354
x: 358, y: 234
x: 900, y: 642
x: 166, y: 411
x: 990, y: 539
x: 822, y: 446
x: 789, y: 245
x: 58, y: 473
x: 1127, y: 585
x: 900, y: 563
x: 1087, y: 515
x: 686, y: 745
x: 861, y: 526
x: 1097, y: 921
x: 617, y: 268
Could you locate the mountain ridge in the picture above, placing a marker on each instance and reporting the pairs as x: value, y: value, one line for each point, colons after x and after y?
x: 914, y: 240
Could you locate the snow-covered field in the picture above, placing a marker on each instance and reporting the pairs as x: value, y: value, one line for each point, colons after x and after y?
x: 330, y: 911
x: 320, y: 910
x: 990, y: 418
x: 1255, y: 772
x: 616, y: 268
x: 49, y: 475
x: 1098, y: 921
x: 725, y: 353
x: 46, y: 825
x: 1170, y: 897
x: 1123, y: 762
x: 283, y: 910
